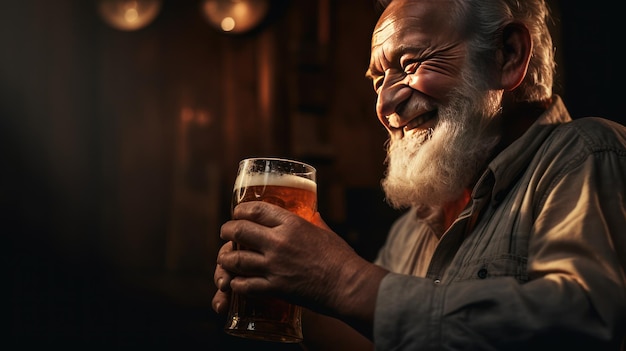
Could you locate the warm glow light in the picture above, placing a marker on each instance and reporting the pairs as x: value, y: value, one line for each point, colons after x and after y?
x: 235, y: 16
x: 129, y: 15
x: 186, y: 114
x: 228, y: 24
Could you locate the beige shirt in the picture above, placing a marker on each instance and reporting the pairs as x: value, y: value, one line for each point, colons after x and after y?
x: 537, y: 259
x: 412, y: 241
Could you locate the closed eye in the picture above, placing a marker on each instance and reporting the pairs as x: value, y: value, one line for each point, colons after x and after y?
x: 412, y: 67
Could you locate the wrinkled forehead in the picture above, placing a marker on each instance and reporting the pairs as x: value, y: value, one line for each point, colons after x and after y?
x: 402, y: 16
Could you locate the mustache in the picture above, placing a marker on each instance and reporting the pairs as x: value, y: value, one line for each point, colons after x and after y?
x: 415, y: 104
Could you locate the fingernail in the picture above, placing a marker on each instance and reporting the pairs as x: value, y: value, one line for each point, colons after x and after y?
x: 217, y: 306
x: 219, y: 283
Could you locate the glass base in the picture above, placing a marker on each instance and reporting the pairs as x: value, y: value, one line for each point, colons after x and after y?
x: 263, y: 330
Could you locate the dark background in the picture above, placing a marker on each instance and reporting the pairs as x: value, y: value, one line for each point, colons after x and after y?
x: 118, y: 152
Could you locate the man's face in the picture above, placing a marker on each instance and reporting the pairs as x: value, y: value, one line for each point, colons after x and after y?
x: 416, y: 59
x: 417, y: 65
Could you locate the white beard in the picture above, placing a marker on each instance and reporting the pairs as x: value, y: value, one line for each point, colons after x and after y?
x: 433, y: 171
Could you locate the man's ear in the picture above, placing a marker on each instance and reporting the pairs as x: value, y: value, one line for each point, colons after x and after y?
x: 515, y: 53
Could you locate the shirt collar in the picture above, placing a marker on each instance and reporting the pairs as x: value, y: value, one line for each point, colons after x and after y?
x: 504, y: 169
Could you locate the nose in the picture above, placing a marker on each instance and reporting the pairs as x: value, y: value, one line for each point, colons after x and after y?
x: 392, y: 92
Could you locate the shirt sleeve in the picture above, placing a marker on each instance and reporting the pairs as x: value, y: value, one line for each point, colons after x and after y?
x: 576, y: 293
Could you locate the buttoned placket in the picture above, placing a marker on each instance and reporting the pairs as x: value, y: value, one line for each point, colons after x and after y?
x: 462, y: 227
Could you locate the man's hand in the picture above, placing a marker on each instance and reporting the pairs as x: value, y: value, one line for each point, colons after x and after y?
x: 301, y: 262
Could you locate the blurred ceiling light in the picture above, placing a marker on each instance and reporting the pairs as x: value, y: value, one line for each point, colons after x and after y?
x: 128, y: 15
x: 235, y: 16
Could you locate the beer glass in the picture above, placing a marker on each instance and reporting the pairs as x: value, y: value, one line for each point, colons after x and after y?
x: 291, y: 185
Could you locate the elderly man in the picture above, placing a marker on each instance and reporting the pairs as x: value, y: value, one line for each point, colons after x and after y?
x: 515, y: 234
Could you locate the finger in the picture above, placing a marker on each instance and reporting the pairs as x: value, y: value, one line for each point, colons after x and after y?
x: 248, y: 234
x: 251, y: 285
x: 227, y: 247
x: 252, y: 221
x: 243, y: 263
x: 220, y: 302
x: 222, y: 277
x: 261, y: 212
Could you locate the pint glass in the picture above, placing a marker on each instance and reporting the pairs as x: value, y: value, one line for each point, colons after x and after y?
x: 291, y: 185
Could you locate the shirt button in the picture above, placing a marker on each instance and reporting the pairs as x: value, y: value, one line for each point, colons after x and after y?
x: 482, y: 273
x: 437, y: 281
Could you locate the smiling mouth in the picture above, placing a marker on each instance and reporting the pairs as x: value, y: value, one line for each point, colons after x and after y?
x: 420, y: 121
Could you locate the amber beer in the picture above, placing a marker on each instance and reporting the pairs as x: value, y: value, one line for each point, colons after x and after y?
x: 291, y: 185
x: 291, y: 192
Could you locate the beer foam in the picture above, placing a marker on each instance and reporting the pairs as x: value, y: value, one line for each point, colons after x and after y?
x: 265, y: 179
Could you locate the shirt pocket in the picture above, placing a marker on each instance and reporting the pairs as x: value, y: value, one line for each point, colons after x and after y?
x: 503, y: 265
